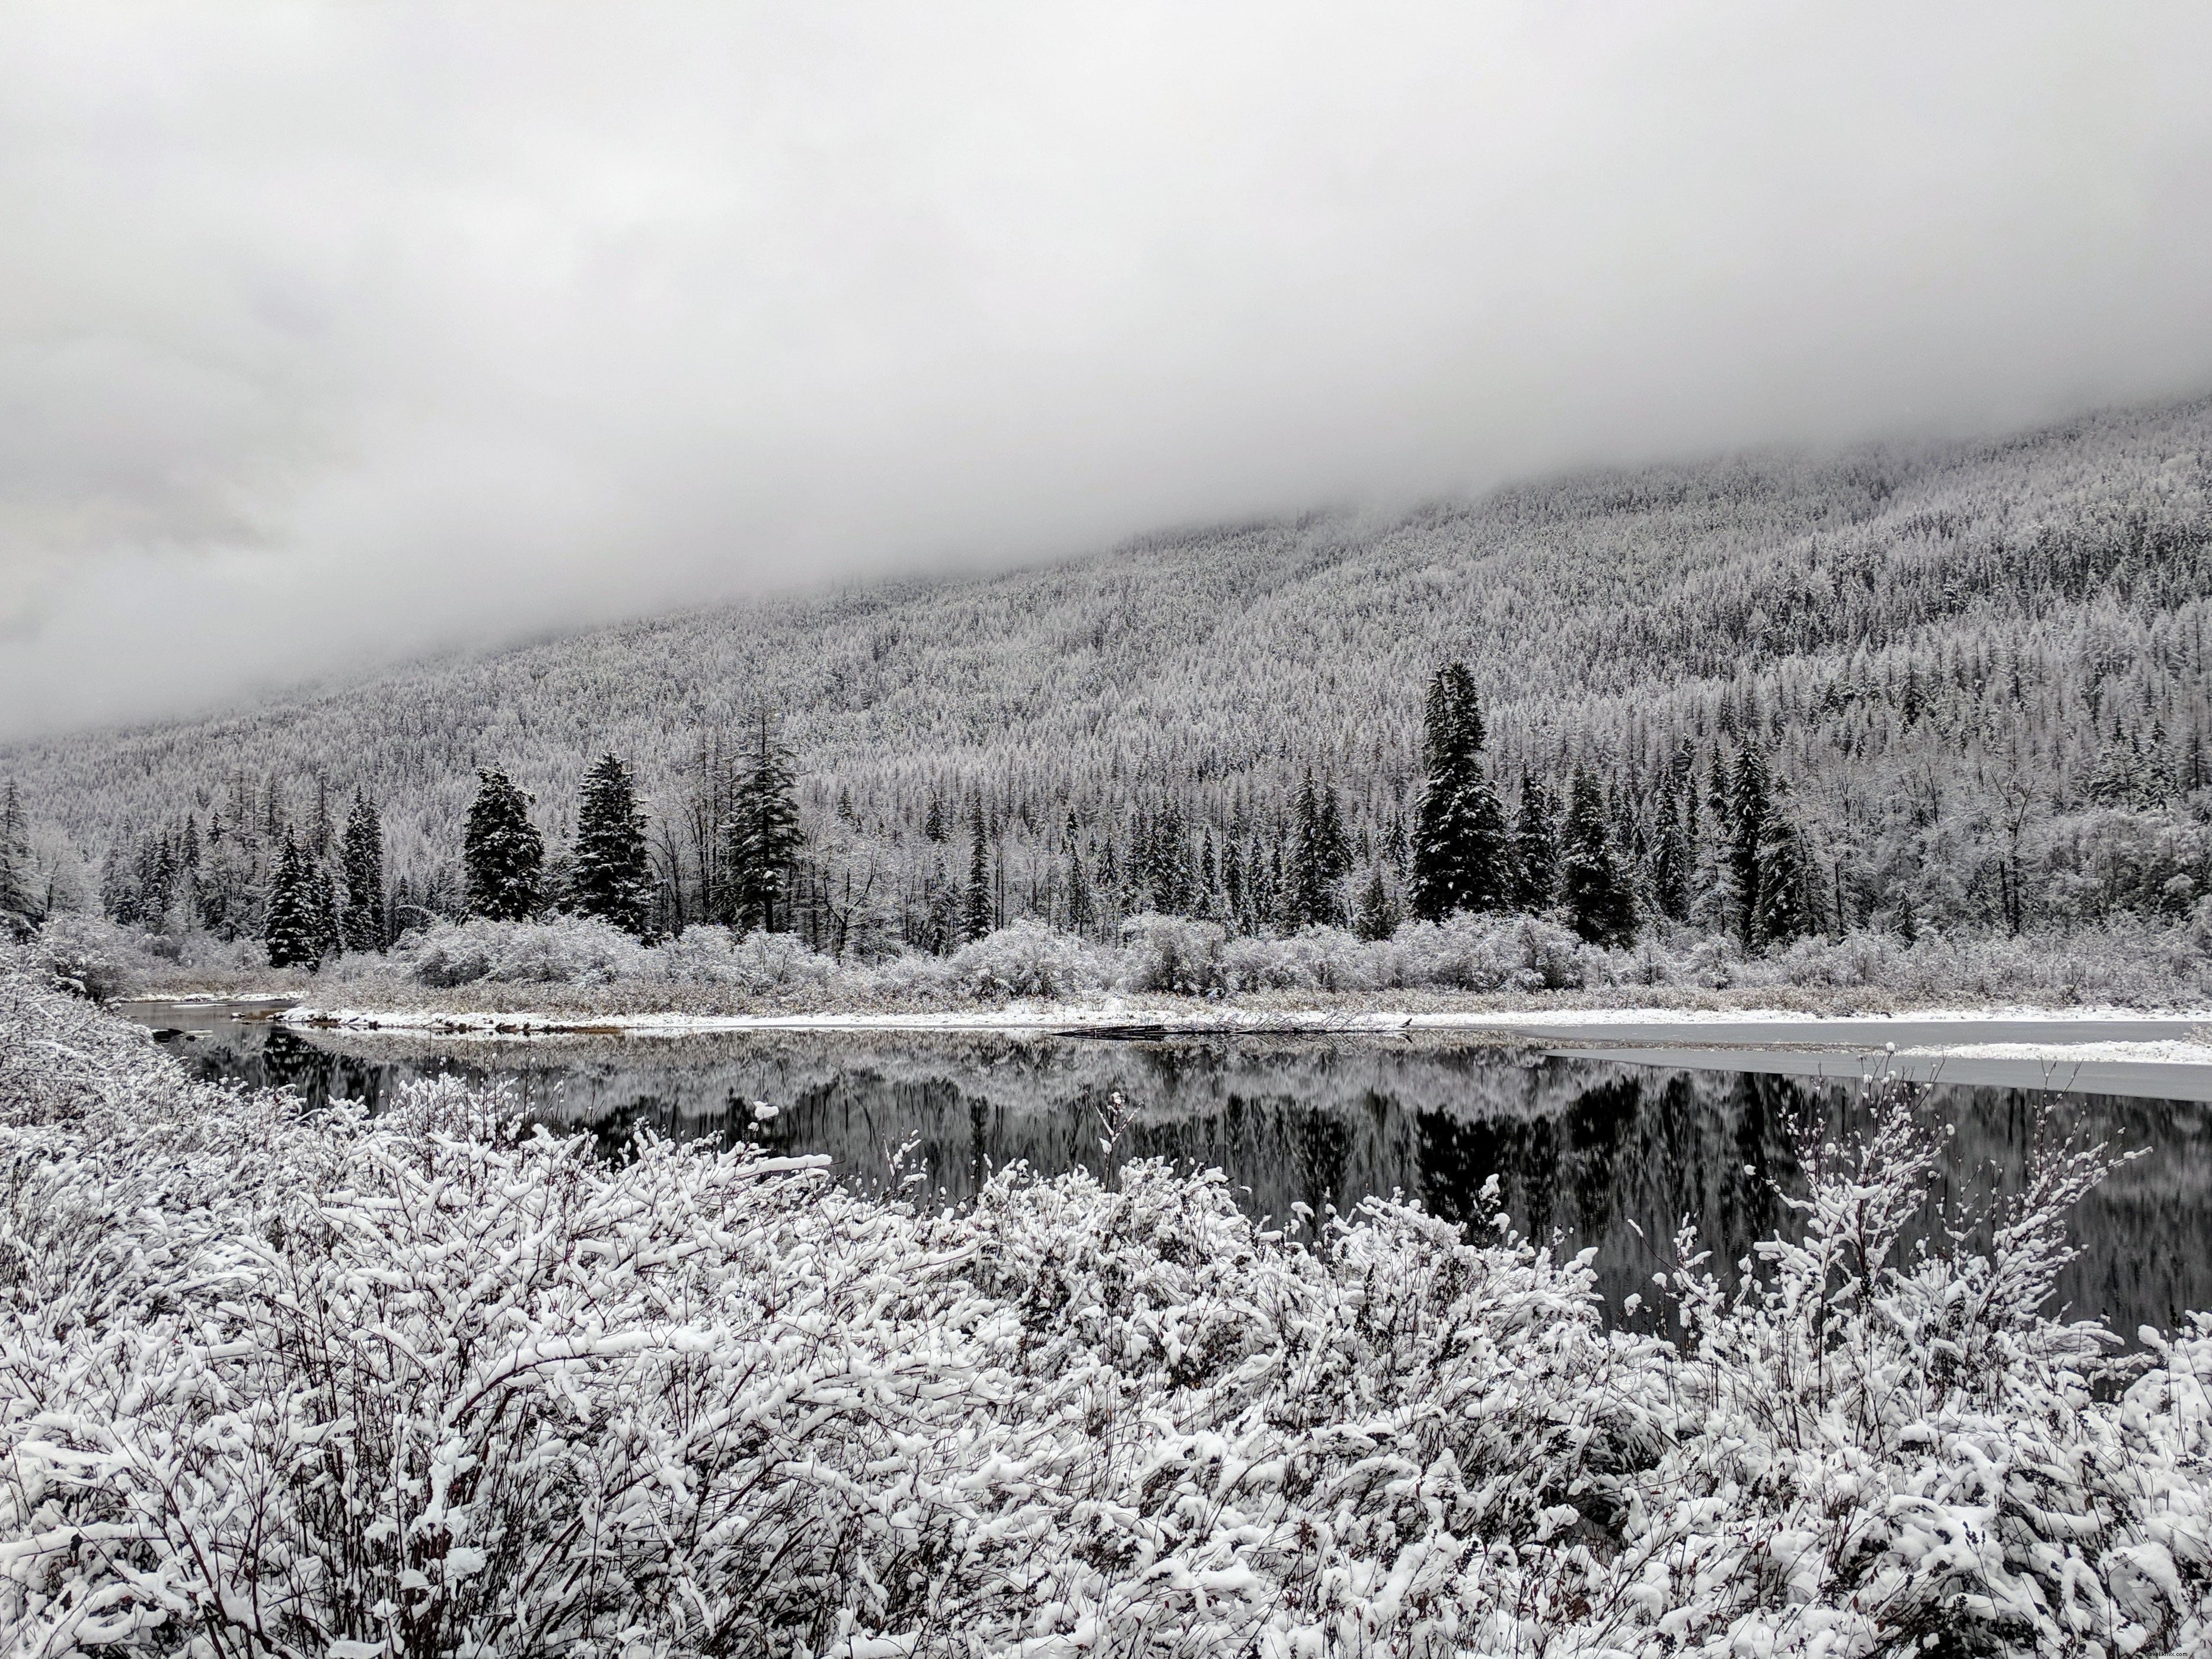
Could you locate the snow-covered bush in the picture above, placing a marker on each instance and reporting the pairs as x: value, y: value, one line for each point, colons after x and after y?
x: 759, y: 962
x: 1171, y: 953
x: 1029, y: 959
x: 559, y: 950
x: 1470, y: 952
x: 428, y: 1384
x: 1313, y: 959
x: 93, y: 957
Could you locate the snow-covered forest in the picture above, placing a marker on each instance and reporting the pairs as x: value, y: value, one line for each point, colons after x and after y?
x: 300, y: 1385
x: 1976, y: 676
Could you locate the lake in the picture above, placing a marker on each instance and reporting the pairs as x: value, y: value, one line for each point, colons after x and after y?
x: 1589, y: 1146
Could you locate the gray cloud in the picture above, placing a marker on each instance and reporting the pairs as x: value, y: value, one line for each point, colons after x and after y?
x: 328, y: 335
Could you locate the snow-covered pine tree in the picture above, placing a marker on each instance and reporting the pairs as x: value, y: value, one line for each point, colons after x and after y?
x: 1082, y: 910
x: 502, y: 851
x: 1534, y: 858
x: 324, y: 915
x: 1786, y: 910
x: 1750, y: 812
x: 1673, y: 858
x: 362, y: 860
x: 1319, y: 858
x: 289, y: 927
x: 1596, y: 895
x: 612, y: 876
x: 975, y: 898
x: 763, y: 836
x: 21, y: 907
x: 1486, y: 880
x: 1378, y: 910
x: 1459, y: 852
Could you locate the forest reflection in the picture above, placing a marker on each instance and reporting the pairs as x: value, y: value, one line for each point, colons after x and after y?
x: 1588, y: 1152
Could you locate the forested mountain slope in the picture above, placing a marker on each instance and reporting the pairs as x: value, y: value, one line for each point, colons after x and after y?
x: 1979, y: 670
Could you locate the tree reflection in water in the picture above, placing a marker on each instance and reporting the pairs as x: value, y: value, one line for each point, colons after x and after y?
x: 1589, y: 1150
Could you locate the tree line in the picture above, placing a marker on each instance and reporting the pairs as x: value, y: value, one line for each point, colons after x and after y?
x: 1975, y: 682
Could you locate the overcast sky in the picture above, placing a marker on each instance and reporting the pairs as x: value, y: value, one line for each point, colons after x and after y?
x: 332, y: 334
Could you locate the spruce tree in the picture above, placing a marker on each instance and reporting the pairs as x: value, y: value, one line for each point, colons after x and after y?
x: 612, y: 877
x: 361, y: 859
x: 1082, y: 914
x: 1749, y: 814
x: 21, y: 909
x: 323, y: 916
x: 1672, y: 861
x: 1536, y: 853
x: 762, y: 836
x: 1459, y: 844
x: 503, y: 853
x: 1598, y: 903
x: 1785, y: 910
x: 289, y: 926
x: 1378, y: 911
x: 1319, y: 858
x: 975, y: 900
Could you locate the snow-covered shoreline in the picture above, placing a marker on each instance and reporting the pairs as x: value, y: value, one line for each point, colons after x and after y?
x: 2174, y: 1039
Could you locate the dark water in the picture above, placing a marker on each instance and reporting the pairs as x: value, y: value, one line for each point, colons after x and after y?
x: 1583, y: 1147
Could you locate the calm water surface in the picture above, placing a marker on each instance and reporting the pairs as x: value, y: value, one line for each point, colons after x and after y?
x: 1583, y: 1147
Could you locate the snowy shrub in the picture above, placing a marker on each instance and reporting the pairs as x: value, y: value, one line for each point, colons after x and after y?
x: 93, y: 957
x: 1171, y: 953
x: 204, y: 952
x: 559, y: 950
x: 699, y: 955
x: 710, y: 955
x: 429, y: 1385
x: 1470, y: 952
x: 1553, y: 958
x: 1029, y: 959
x: 1313, y: 959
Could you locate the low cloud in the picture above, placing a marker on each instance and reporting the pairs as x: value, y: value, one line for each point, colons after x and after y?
x: 330, y: 335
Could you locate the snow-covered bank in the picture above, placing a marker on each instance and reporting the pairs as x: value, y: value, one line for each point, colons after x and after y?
x: 568, y: 968
x: 2078, y: 1035
x: 331, y: 1386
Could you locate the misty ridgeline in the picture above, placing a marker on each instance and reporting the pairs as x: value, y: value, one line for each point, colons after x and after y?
x: 1959, y: 691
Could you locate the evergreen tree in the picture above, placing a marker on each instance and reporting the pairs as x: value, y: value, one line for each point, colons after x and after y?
x: 503, y: 853
x: 21, y: 905
x: 323, y: 916
x: 762, y: 836
x: 1673, y: 862
x: 1460, y: 849
x: 361, y: 859
x: 1785, y: 906
x: 1319, y: 858
x: 1750, y: 812
x: 612, y: 877
x: 1535, y: 852
x: 1486, y: 848
x: 289, y: 927
x: 975, y: 900
x: 1082, y: 912
x: 1598, y: 903
x: 1378, y: 911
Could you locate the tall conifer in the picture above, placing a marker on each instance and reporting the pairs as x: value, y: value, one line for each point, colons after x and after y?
x: 21, y: 909
x: 1596, y: 897
x: 1535, y: 859
x: 504, y: 854
x: 1460, y: 852
x: 289, y: 927
x: 763, y: 834
x: 976, y: 899
x: 362, y: 860
x: 612, y: 877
